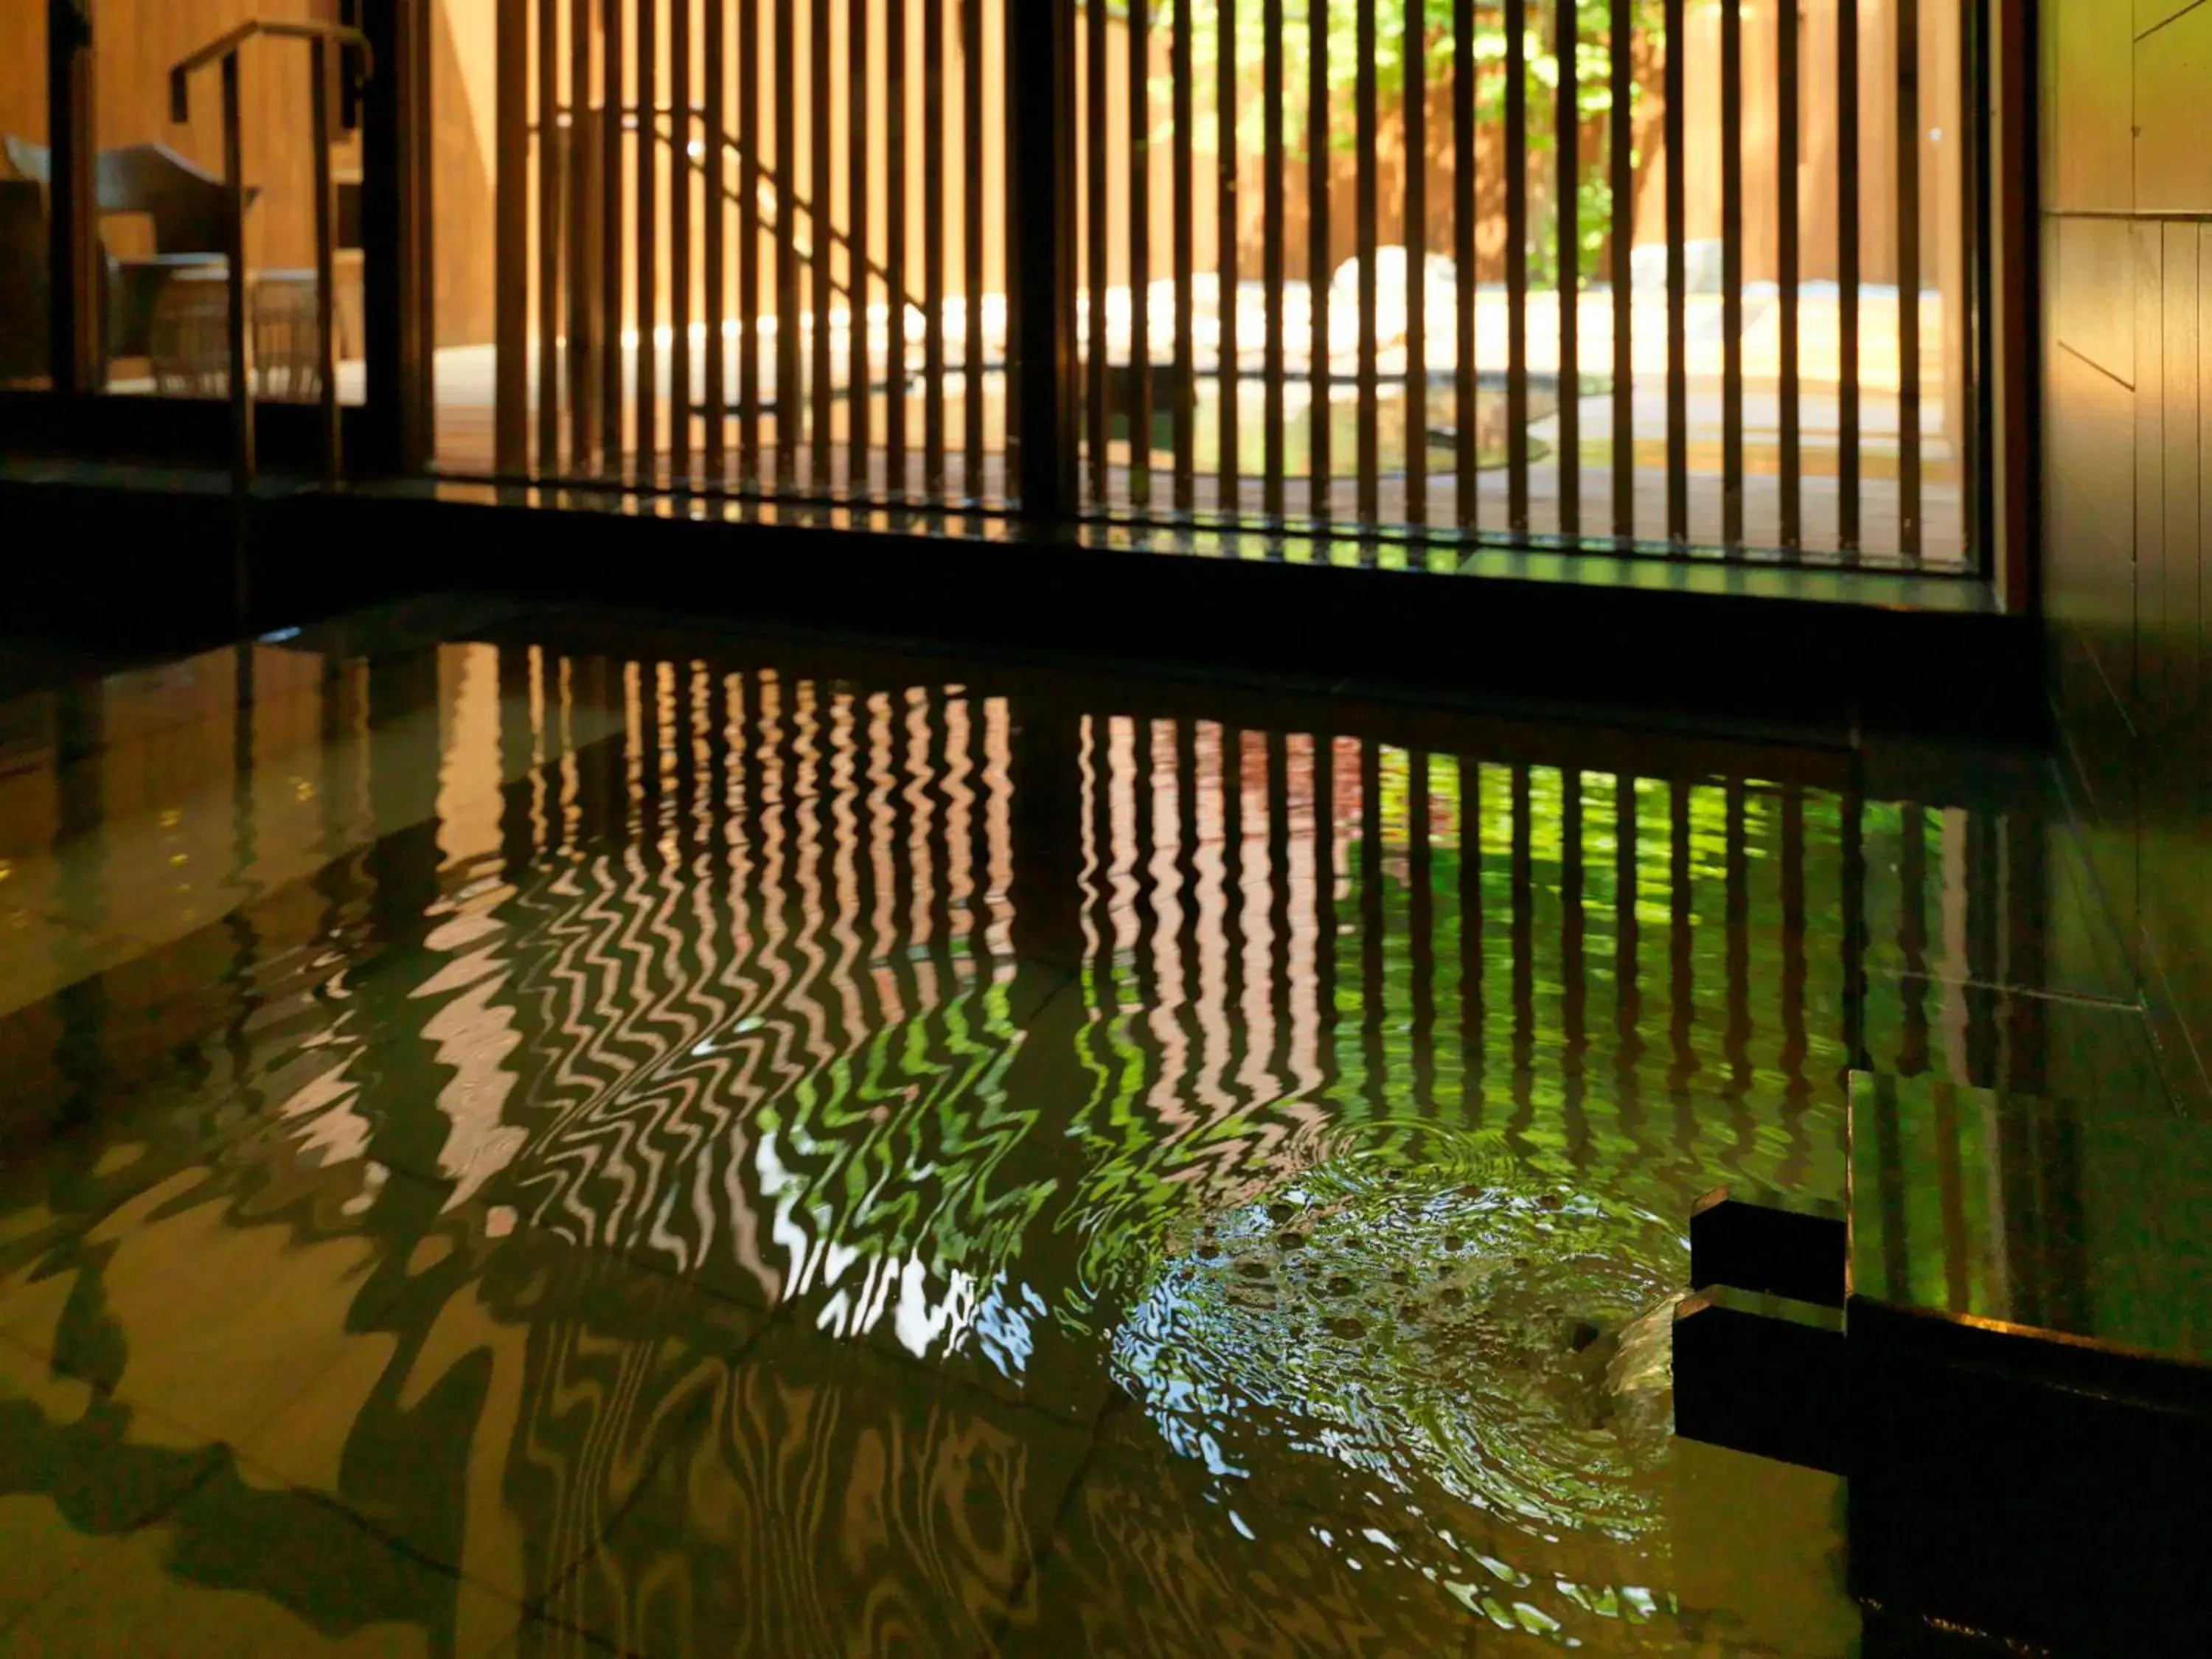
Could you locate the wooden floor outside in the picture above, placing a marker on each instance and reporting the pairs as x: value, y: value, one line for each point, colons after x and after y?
x: 465, y: 379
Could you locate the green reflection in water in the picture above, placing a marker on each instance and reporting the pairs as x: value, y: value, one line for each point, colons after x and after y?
x: 1354, y: 1155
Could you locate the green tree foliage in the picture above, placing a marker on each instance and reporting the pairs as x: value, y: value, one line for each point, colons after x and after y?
x: 1593, y: 85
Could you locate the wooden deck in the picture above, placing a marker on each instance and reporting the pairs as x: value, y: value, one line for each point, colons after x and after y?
x: 467, y: 377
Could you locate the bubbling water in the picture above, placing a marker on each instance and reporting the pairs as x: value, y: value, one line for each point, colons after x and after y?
x: 1495, y: 1344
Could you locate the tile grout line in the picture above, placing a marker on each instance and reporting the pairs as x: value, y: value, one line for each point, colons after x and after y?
x: 535, y: 1609
x: 238, y: 1459
x: 153, y: 1518
x: 115, y: 1542
x: 1041, y: 1556
x: 2074, y: 999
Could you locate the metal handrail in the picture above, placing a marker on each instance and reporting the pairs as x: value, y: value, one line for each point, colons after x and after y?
x: 633, y: 119
x: 324, y: 68
x: 180, y: 77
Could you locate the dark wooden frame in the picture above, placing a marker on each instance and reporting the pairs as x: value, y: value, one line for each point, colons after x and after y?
x: 388, y: 433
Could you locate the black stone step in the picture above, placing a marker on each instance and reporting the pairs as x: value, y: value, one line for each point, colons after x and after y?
x: 1762, y: 1374
x: 1782, y: 1245
x: 2018, y: 1383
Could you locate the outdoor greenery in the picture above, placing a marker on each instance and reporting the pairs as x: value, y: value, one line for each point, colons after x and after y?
x: 1592, y: 83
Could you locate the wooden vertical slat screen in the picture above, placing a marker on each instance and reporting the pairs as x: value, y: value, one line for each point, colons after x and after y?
x: 613, y: 434
x: 1678, y: 335
x: 510, y: 237
x: 1139, y: 401
x: 549, y: 149
x: 932, y: 246
x: 1417, y: 263
x: 1465, y: 403
x: 1274, y: 179
x: 1567, y: 209
x: 820, y: 252
x: 647, y: 207
x: 1366, y: 209
x: 1097, y: 220
x: 1849, y: 412
x: 859, y: 370
x: 683, y: 132
x: 1039, y: 252
x: 1182, y: 74
x: 1620, y: 143
x: 714, y: 255
x: 1318, y: 267
x: 748, y: 240
x: 1732, y: 272
x: 895, y: 207
x: 856, y: 151
x: 1517, y: 263
x: 790, y: 389
x: 1228, y: 225
x: 1984, y: 201
x: 1908, y: 280
x: 647, y: 165
x: 580, y: 235
x: 972, y: 193
x: 1788, y: 115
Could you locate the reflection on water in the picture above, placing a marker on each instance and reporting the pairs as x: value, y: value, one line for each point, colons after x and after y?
x: 694, y: 1148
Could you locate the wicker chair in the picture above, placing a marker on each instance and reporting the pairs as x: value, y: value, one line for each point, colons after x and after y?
x: 189, y: 209
x: 191, y: 338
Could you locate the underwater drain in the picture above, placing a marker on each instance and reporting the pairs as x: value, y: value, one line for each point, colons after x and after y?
x: 1492, y: 1356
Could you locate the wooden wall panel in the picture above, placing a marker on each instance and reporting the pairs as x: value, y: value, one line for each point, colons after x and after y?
x: 2128, y: 447
x: 23, y: 70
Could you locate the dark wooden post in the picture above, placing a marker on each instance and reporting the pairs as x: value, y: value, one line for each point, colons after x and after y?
x: 511, y: 241
x: 1043, y: 264
x: 78, y: 360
